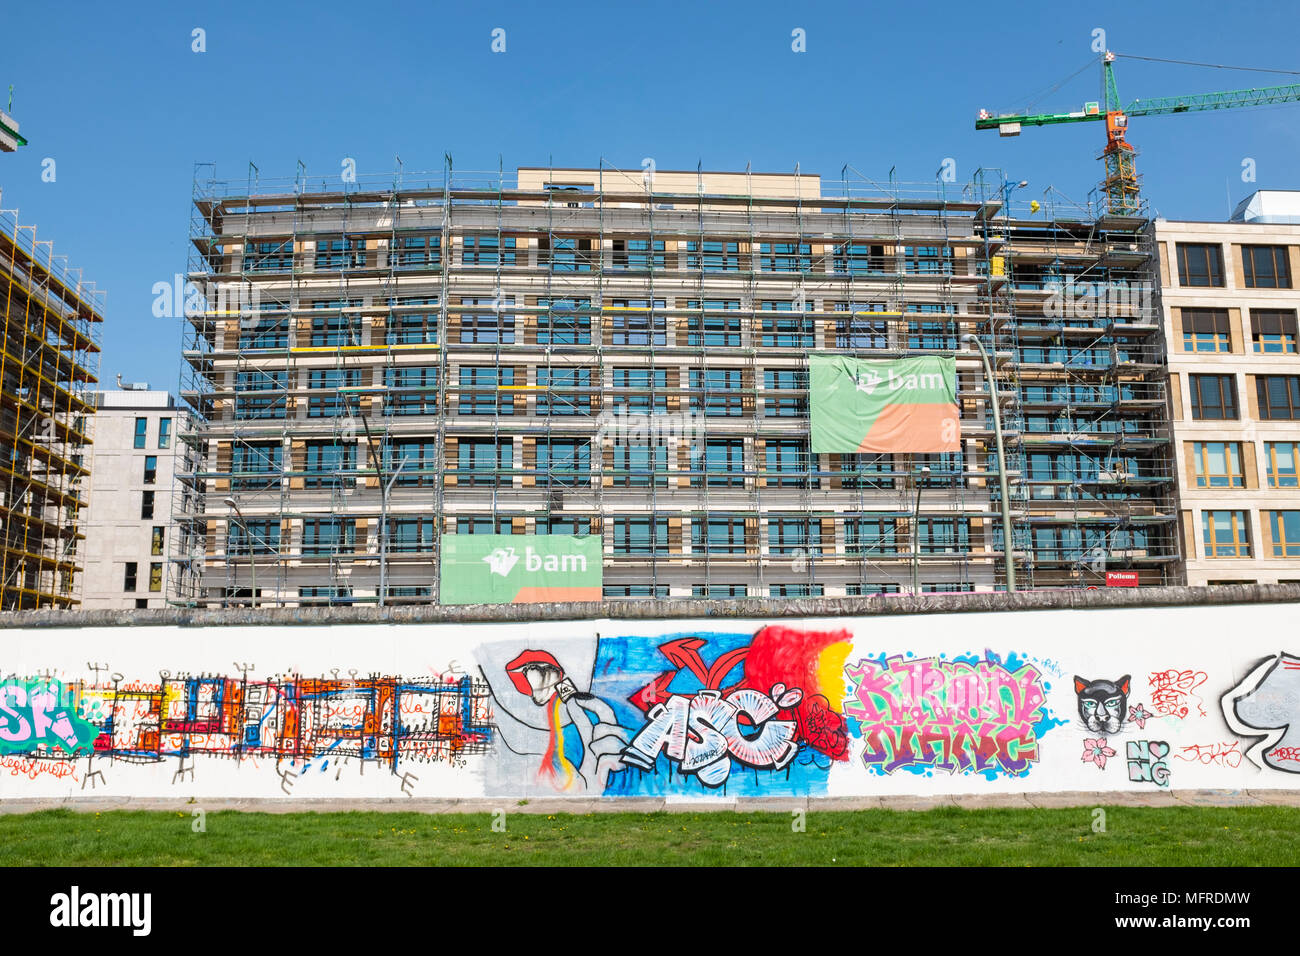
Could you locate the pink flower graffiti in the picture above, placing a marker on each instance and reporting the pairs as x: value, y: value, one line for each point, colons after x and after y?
x: 1139, y: 715
x: 1096, y: 751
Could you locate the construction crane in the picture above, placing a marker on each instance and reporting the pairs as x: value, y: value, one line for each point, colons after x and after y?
x: 1121, y: 182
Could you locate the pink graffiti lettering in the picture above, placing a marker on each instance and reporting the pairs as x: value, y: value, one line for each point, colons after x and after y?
x: 952, y: 715
x: 1171, y: 689
x: 1220, y: 755
x: 703, y: 732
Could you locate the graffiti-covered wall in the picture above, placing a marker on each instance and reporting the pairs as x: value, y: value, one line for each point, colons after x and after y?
x: 1097, y: 699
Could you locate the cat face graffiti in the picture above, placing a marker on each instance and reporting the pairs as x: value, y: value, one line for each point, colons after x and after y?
x: 1103, y: 704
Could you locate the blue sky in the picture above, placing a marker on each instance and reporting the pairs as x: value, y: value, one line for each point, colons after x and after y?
x: 115, y: 96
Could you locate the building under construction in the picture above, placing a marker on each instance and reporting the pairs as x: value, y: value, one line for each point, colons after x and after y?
x: 625, y: 355
x: 49, y: 358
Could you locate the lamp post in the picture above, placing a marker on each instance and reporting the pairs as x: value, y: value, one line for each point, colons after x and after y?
x: 916, y: 531
x: 252, y: 560
x: 1002, y: 461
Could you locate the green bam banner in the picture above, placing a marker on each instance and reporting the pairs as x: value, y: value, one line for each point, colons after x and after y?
x: 520, y: 568
x: 893, y: 405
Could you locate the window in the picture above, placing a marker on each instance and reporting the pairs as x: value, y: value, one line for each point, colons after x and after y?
x: 407, y: 535
x: 270, y: 403
x: 146, y: 505
x: 325, y: 536
x: 566, y: 253
x: 795, y: 590
x: 938, y: 335
x: 640, y: 535
x: 943, y: 536
x: 491, y: 327
x: 164, y: 433
x: 129, y: 578
x: 1279, y: 396
x: 564, y: 391
x: 635, y: 591
x: 567, y: 323
x: 788, y: 463
x: 1285, y: 530
x: 483, y: 390
x: 331, y: 383
x: 859, y: 258
x: 632, y: 323
x: 150, y: 469
x: 1206, y: 330
x: 483, y: 461
x: 269, y: 333
x: 256, y: 467
x: 785, y: 256
x: 640, y: 254
x: 719, y: 590
x: 275, y: 255
x: 867, y: 471
x: 718, y: 535
x: 141, y: 432
x: 563, y: 524
x: 156, y: 539
x: 724, y: 463
x: 1265, y: 267
x: 335, y: 330
x: 795, y: 331
x: 1283, y: 457
x: 637, y: 465
x: 948, y: 587
x: 340, y: 253
x: 415, y: 252
x: 1218, y: 464
x: 927, y: 260
x: 327, y: 463
x: 713, y: 255
x: 946, y: 469
x: 155, y: 576
x: 564, y: 462
x: 794, y: 536
x: 1214, y: 397
x: 785, y: 406
x: 412, y: 390
x: 256, y: 536
x: 636, y: 386
x: 482, y: 524
x: 873, y: 536
x: 1199, y: 264
x: 1273, y: 331
x: 713, y: 330
x: 860, y: 331
x: 861, y: 589
x: 488, y: 249
x: 323, y: 596
x: 1225, y: 534
x: 722, y: 396
x: 421, y: 457
x: 412, y: 328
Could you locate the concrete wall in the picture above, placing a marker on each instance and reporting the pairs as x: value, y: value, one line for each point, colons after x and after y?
x: 1189, y: 692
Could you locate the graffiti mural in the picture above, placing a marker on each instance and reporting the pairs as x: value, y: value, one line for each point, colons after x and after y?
x: 962, y: 715
x: 683, y: 709
x: 1266, y: 706
x: 384, y: 720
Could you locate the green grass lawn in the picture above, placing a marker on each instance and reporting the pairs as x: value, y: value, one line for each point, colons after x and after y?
x: 1185, y: 836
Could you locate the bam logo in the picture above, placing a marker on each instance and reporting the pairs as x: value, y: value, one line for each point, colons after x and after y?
x: 568, y: 563
x: 867, y: 381
x: 502, y: 560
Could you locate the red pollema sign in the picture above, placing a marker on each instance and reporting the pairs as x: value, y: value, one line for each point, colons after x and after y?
x: 1121, y: 579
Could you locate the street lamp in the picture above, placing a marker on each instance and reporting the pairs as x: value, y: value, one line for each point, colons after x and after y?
x: 1002, y: 461
x: 252, y: 559
x: 916, y: 531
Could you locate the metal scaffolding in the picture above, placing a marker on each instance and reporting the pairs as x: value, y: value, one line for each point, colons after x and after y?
x: 625, y: 355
